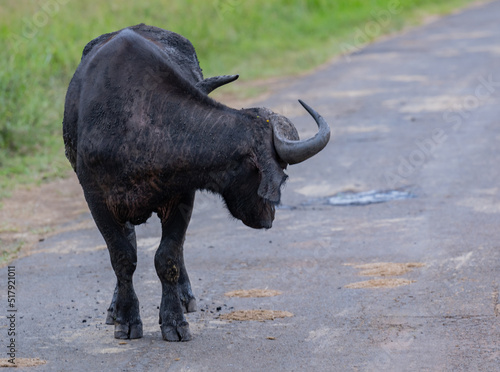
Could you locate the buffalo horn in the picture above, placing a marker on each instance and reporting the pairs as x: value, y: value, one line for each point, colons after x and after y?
x: 210, y: 84
x: 293, y: 152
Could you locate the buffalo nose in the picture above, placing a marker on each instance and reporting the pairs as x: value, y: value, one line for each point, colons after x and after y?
x: 266, y: 224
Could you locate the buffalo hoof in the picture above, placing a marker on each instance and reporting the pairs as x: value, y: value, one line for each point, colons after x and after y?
x: 176, y: 333
x: 125, y: 331
x: 189, y: 306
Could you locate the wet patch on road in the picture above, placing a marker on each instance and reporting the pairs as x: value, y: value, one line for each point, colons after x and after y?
x: 419, y: 105
x: 245, y: 293
x: 257, y: 315
x: 384, y: 269
x: 113, y: 350
x: 361, y: 198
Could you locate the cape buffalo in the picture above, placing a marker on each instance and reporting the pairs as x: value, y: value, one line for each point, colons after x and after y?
x: 142, y: 135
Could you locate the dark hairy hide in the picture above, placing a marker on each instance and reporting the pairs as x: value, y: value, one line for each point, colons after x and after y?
x: 143, y: 136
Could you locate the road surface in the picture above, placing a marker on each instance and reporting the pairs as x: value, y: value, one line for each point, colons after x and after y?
x: 402, y: 285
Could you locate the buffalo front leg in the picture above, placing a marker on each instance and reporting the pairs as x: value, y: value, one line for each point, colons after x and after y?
x: 120, y: 239
x: 177, y: 295
x: 186, y: 295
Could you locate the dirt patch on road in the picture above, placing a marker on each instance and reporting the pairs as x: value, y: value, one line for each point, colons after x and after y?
x: 380, y: 283
x: 386, y: 268
x: 22, y: 362
x: 253, y: 293
x: 259, y: 315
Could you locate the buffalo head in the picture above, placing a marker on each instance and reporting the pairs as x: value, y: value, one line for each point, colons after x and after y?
x: 252, y: 188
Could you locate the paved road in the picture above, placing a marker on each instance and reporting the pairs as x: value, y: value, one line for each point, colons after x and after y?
x: 406, y: 285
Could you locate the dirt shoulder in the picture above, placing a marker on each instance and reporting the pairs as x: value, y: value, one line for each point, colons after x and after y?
x: 34, y: 213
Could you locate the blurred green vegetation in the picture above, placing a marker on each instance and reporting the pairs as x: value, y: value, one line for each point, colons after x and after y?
x: 42, y: 40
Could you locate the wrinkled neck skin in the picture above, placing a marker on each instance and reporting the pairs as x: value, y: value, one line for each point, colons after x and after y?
x: 209, y: 151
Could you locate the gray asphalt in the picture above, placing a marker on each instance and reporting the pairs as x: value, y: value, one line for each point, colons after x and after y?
x: 418, y: 112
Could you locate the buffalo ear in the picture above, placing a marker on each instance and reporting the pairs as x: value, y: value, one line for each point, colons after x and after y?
x: 210, y: 84
x: 272, y: 178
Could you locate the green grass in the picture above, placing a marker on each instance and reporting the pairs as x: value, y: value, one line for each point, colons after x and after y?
x: 42, y: 43
x: 9, y: 251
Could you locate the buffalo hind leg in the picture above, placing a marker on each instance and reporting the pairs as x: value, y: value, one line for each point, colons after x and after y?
x: 120, y: 239
x: 177, y: 295
x: 130, y: 232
